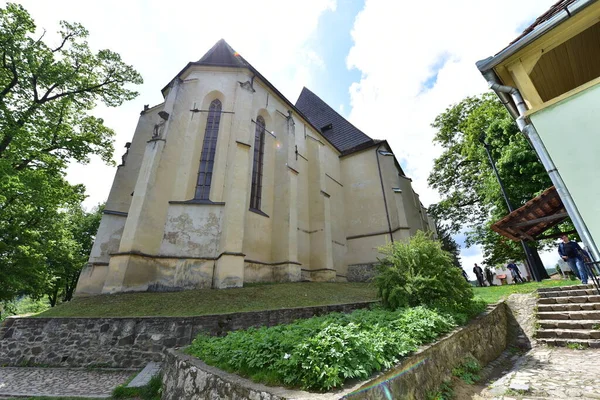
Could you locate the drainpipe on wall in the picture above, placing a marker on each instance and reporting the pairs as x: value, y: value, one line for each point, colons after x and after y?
x: 387, y: 214
x: 534, y: 138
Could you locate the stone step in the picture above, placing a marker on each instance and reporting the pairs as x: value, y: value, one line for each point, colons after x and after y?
x: 560, y: 288
x: 569, y: 324
x: 592, y: 343
x: 573, y: 315
x: 143, y: 378
x: 572, y: 299
x: 569, y: 307
x: 569, y: 293
x: 568, y: 334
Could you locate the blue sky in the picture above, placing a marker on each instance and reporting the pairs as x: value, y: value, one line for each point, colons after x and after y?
x: 333, y: 42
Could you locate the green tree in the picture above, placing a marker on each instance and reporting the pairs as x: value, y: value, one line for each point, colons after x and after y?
x: 448, y: 243
x: 46, y: 94
x: 471, y: 196
x: 68, y: 251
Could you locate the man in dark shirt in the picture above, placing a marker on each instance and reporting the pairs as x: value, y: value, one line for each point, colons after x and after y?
x: 479, y: 274
x: 571, y: 253
x: 514, y: 271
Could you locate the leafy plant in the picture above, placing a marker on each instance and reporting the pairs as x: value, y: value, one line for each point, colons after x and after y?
x: 421, y: 273
x: 322, y: 352
x: 445, y: 392
x: 575, y: 346
x: 468, y: 370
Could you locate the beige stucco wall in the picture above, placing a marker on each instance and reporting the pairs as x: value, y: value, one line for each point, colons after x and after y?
x: 569, y: 131
x: 107, y: 238
x: 192, y: 230
x: 312, y: 200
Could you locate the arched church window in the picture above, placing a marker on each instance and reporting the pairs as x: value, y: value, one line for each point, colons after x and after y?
x: 209, y: 147
x: 257, y: 165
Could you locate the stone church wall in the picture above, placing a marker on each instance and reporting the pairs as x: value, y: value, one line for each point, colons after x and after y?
x: 127, y: 342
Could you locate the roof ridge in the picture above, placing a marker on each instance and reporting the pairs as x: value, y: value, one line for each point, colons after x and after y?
x: 307, y: 95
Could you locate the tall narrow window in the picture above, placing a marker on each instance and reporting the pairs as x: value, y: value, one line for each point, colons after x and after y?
x: 209, y: 147
x: 257, y: 165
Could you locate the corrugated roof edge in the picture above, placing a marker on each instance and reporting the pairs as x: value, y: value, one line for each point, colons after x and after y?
x: 570, y: 10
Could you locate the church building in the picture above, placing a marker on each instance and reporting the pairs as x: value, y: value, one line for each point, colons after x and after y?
x: 228, y: 182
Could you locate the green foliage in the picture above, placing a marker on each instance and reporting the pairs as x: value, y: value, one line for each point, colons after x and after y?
x: 421, y: 273
x: 448, y: 243
x: 575, y: 346
x: 322, y: 352
x: 468, y: 370
x: 68, y: 251
x: 471, y: 196
x: 445, y: 392
x: 152, y: 391
x: 24, y: 305
x: 46, y: 94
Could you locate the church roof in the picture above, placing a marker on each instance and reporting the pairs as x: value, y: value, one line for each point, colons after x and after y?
x: 222, y: 55
x: 341, y: 133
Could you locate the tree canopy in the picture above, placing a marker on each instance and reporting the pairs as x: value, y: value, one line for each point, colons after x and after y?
x: 46, y: 94
x: 471, y: 196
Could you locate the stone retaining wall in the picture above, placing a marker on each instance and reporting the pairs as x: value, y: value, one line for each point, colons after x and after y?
x: 127, y: 342
x: 484, y: 338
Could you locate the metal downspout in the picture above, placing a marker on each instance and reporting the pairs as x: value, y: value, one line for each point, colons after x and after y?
x: 534, y: 138
x: 387, y: 213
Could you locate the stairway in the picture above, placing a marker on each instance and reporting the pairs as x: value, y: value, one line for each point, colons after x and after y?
x: 569, y: 314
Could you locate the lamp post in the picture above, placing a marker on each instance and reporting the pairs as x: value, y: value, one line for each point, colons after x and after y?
x: 530, y: 259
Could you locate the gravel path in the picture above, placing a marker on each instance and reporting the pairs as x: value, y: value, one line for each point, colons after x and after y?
x: 78, y: 382
x: 550, y: 373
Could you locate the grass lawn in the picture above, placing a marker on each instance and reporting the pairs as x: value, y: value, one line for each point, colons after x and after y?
x: 201, y: 302
x: 494, y: 294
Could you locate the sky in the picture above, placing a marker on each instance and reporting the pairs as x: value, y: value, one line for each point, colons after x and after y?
x: 390, y: 67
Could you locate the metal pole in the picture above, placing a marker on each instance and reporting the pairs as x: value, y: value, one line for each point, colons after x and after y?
x: 530, y: 260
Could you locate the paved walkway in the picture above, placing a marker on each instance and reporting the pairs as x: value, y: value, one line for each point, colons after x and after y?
x: 549, y: 373
x: 79, y: 382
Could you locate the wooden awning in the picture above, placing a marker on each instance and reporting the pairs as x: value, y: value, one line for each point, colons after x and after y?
x: 533, y: 218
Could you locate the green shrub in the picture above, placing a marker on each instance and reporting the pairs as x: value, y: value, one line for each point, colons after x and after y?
x: 445, y: 392
x: 322, y: 352
x: 421, y: 273
x: 468, y: 370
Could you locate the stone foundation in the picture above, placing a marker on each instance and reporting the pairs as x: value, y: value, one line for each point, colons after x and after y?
x: 127, y: 342
x: 361, y: 272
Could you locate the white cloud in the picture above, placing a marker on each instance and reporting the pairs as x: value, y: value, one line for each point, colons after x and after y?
x: 396, y: 47
x: 159, y: 38
x: 399, y: 47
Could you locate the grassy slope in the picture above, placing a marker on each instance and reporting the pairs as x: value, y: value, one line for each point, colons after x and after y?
x: 250, y: 298
x: 201, y: 302
x: 496, y: 293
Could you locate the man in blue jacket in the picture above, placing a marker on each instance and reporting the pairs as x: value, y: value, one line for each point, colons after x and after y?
x: 572, y: 254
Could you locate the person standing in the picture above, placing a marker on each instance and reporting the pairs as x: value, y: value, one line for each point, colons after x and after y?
x: 489, y: 275
x: 479, y: 274
x: 572, y: 254
x: 515, y: 273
